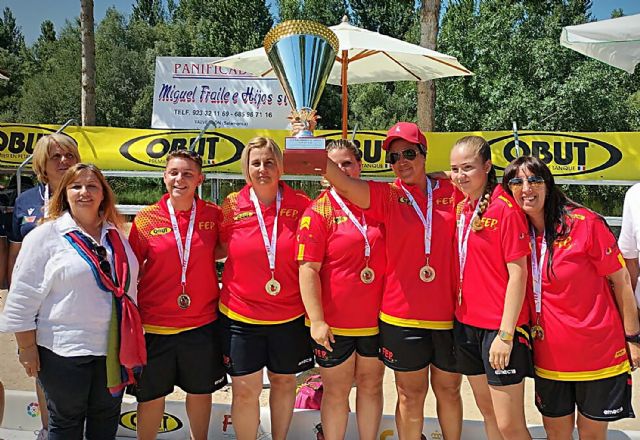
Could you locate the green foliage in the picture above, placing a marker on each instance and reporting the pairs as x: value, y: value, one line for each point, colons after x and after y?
x: 523, y: 74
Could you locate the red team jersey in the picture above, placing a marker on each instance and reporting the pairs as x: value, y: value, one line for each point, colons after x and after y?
x: 326, y: 235
x: 407, y: 300
x: 583, y: 332
x: 153, y: 241
x: 504, y: 238
x: 246, y: 271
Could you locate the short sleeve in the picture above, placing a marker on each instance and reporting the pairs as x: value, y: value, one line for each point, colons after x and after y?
x: 138, y: 246
x: 312, y: 237
x: 514, y: 235
x: 14, y: 232
x: 628, y: 241
x: 226, y: 219
x: 603, y: 250
x: 380, y: 197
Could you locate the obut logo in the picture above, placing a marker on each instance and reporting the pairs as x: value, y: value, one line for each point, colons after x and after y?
x: 565, y: 154
x: 169, y: 422
x: 216, y: 149
x: 372, y: 152
x: 17, y: 141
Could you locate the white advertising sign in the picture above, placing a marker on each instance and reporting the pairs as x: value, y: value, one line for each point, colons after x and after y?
x: 189, y: 92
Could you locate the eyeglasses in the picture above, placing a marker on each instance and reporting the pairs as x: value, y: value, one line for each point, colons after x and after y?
x: 101, y: 252
x: 409, y: 154
x: 534, y: 182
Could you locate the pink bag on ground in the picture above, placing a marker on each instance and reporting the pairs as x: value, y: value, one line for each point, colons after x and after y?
x: 309, y: 394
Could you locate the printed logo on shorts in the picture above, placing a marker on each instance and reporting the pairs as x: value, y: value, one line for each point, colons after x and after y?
x: 612, y: 412
x: 505, y: 372
x: 305, y: 361
x: 388, y: 355
x: 320, y: 354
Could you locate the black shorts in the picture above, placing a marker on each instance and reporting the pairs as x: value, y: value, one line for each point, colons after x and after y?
x: 282, y: 348
x: 472, y: 353
x: 603, y: 400
x: 343, y: 348
x: 412, y: 349
x: 191, y: 360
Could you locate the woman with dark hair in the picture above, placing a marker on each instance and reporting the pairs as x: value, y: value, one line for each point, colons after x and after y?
x: 491, y: 335
x: 71, y: 308
x: 174, y: 240
x: 341, y: 251
x: 416, y: 313
x: 583, y: 303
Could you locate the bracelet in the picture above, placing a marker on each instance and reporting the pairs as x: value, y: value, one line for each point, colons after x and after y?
x: 21, y: 349
x: 633, y: 338
x: 505, y: 335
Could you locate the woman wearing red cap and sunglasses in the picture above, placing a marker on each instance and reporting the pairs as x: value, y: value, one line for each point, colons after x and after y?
x: 583, y: 303
x: 416, y: 317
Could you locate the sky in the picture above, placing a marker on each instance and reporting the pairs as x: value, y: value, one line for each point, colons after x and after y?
x: 31, y: 13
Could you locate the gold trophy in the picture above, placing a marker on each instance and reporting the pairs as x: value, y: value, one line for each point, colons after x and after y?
x: 302, y: 54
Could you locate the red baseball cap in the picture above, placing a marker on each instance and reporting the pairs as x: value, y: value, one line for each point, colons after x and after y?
x: 407, y: 131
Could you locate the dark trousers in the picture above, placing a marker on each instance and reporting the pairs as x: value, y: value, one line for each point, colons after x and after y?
x: 76, y: 392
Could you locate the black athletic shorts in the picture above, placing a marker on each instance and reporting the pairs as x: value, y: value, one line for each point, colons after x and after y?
x: 412, y: 349
x: 343, y: 348
x: 282, y: 348
x: 472, y: 346
x: 191, y: 360
x: 604, y: 400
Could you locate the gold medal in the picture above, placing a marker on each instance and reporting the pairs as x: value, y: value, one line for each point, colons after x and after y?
x: 272, y: 287
x: 367, y: 275
x: 476, y: 224
x: 427, y: 273
x: 184, y: 301
x: 537, y: 332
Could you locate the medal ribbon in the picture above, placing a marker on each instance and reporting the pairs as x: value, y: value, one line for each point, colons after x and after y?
x: 183, y: 252
x: 463, y: 241
x: 361, y: 227
x: 426, y: 222
x: 536, y: 268
x: 270, y: 246
x: 45, y: 198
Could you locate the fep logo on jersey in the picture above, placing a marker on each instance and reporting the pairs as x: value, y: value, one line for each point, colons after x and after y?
x: 216, y: 149
x: 565, y: 154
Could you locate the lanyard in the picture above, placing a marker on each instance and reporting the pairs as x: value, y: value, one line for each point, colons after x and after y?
x: 536, y: 268
x: 426, y: 222
x: 270, y: 246
x: 463, y: 241
x: 361, y: 227
x: 183, y: 252
x: 45, y: 199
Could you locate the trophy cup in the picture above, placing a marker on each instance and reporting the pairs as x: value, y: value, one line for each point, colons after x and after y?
x: 302, y: 54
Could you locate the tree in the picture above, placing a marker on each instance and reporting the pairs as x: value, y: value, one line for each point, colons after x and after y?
x: 149, y: 11
x: 429, y: 15
x: 88, y: 99
x: 15, y: 62
x: 11, y: 37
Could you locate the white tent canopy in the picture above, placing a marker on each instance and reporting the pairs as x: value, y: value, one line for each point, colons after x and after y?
x: 615, y: 41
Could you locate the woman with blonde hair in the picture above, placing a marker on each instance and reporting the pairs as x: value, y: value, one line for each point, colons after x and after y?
x: 71, y: 308
x: 342, y: 258
x: 491, y: 329
x: 262, y: 312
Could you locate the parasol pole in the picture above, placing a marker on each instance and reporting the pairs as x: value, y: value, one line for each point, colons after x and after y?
x: 345, y: 97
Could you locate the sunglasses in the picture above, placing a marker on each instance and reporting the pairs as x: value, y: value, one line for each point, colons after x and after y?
x: 409, y: 154
x: 534, y: 182
x: 101, y: 252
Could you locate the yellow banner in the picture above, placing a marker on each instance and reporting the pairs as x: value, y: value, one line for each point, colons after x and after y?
x: 586, y: 156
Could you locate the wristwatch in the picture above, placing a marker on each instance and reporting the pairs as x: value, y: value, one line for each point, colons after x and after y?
x: 633, y: 338
x: 505, y: 335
